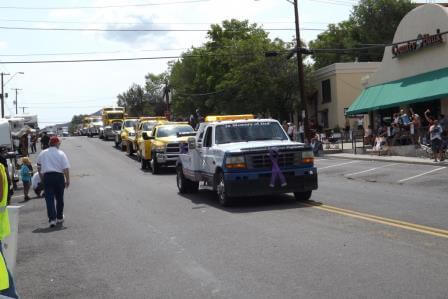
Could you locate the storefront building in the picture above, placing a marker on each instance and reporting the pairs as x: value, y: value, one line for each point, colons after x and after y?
x: 414, y: 70
x: 337, y: 87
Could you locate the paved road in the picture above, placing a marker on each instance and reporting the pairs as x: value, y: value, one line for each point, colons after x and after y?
x: 129, y: 234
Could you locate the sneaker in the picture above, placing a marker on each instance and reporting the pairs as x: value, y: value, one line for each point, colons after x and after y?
x: 59, y: 221
x: 53, y: 223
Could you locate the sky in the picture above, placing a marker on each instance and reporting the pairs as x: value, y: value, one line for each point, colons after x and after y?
x: 56, y: 92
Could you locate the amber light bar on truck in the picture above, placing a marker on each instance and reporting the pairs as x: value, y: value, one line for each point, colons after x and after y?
x: 213, y: 118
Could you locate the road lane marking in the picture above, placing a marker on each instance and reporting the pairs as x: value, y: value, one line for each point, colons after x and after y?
x: 422, y: 174
x: 341, y: 164
x: 371, y: 169
x: 382, y: 220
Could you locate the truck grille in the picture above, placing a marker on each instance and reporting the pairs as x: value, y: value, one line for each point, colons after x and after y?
x: 173, y: 148
x: 263, y: 160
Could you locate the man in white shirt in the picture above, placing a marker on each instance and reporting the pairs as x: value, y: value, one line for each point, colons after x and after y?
x: 53, y: 168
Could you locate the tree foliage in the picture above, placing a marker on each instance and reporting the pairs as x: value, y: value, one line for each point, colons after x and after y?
x: 230, y: 74
x: 370, y: 22
x: 139, y: 101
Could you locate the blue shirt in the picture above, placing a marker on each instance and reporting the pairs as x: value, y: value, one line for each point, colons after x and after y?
x: 25, y: 173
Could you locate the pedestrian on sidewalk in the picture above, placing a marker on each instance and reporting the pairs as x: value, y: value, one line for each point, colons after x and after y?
x: 44, y: 141
x: 53, y: 168
x: 435, y: 132
x: 26, y: 172
x: 33, y: 143
x: 7, y: 288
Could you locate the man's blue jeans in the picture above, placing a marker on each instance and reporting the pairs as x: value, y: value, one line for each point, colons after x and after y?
x: 54, y: 185
x: 11, y: 291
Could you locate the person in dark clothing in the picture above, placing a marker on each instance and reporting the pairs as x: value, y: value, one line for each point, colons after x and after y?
x: 45, y: 141
x: 33, y: 143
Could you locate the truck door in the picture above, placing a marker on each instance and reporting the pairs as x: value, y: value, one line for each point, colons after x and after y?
x: 207, y: 155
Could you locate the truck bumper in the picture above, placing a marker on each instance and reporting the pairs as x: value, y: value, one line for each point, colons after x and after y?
x: 167, y: 159
x: 256, y: 184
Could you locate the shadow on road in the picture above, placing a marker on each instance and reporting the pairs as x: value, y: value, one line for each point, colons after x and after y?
x: 47, y: 230
x: 250, y: 204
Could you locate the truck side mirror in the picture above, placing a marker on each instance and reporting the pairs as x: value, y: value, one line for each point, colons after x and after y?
x: 145, y: 136
x: 191, y: 143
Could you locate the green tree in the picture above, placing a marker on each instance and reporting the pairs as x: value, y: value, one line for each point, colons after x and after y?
x: 230, y: 74
x: 76, y: 121
x: 133, y: 100
x: 370, y: 22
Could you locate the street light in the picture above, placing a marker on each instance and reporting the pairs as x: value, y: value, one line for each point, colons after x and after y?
x: 300, y: 70
x: 3, y: 86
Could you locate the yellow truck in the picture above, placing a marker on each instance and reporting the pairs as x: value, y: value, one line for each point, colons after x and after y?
x: 163, y: 145
x: 145, y: 124
x: 112, y: 119
x: 127, y: 131
x: 85, y: 125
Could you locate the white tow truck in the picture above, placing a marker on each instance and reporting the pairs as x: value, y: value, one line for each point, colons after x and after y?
x: 237, y: 155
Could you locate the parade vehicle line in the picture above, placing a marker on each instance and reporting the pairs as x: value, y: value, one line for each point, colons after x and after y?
x: 382, y: 220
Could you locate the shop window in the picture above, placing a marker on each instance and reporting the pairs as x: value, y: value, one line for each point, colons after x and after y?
x: 326, y: 91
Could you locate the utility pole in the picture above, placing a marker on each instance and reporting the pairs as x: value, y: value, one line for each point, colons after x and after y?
x: 302, y: 105
x: 16, y: 89
x: 3, y: 95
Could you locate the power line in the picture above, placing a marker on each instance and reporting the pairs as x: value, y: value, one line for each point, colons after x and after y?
x: 142, y: 30
x: 102, y: 6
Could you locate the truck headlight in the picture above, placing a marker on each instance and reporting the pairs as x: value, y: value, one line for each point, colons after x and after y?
x: 236, y: 162
x: 159, y: 148
x: 307, y: 157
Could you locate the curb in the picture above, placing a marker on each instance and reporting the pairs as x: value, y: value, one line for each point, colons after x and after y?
x: 372, y: 158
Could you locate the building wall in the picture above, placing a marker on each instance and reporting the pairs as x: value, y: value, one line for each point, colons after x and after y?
x: 346, y: 85
x: 425, y: 19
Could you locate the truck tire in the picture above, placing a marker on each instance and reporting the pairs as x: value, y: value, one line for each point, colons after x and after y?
x: 130, y: 149
x: 144, y: 164
x: 303, y: 196
x: 223, y: 198
x: 183, y: 184
x: 155, y: 166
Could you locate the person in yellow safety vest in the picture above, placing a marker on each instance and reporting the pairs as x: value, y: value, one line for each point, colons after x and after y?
x: 7, y: 288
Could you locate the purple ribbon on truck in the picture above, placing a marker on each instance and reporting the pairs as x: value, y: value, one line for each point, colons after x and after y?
x: 276, y: 172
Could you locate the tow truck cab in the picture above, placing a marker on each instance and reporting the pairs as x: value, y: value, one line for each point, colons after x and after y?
x: 242, y: 156
x: 145, y: 126
x: 127, y: 131
x: 168, y: 140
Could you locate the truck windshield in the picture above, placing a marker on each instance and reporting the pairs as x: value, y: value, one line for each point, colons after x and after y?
x: 115, y: 115
x: 116, y: 126
x: 251, y: 131
x: 129, y: 123
x: 170, y: 131
x: 148, y: 126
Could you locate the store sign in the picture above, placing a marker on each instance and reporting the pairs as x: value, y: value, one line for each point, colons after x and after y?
x: 422, y: 41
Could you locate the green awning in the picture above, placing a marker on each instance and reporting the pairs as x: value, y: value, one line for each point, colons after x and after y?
x: 419, y: 88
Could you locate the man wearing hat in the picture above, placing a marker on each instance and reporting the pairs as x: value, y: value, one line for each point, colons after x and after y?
x: 53, y: 168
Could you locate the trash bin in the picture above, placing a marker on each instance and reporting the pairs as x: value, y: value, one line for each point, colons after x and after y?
x: 10, y: 242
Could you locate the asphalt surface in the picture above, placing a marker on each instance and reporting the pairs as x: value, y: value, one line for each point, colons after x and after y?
x: 129, y: 234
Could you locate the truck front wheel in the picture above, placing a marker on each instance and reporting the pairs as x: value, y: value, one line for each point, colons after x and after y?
x: 303, y: 196
x: 223, y: 198
x: 155, y: 166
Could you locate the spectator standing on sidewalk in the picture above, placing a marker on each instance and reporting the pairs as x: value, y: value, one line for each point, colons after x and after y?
x: 302, y: 132
x: 7, y: 288
x: 53, y: 167
x: 33, y: 143
x: 44, y: 141
x: 26, y: 172
x: 435, y: 132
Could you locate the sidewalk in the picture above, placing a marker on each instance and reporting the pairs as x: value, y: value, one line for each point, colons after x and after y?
x: 395, y: 159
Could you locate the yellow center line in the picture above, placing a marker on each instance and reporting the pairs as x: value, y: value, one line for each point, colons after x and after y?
x: 382, y: 220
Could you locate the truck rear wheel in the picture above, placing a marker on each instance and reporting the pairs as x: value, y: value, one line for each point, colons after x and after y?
x: 183, y: 184
x: 303, y: 196
x: 223, y: 198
